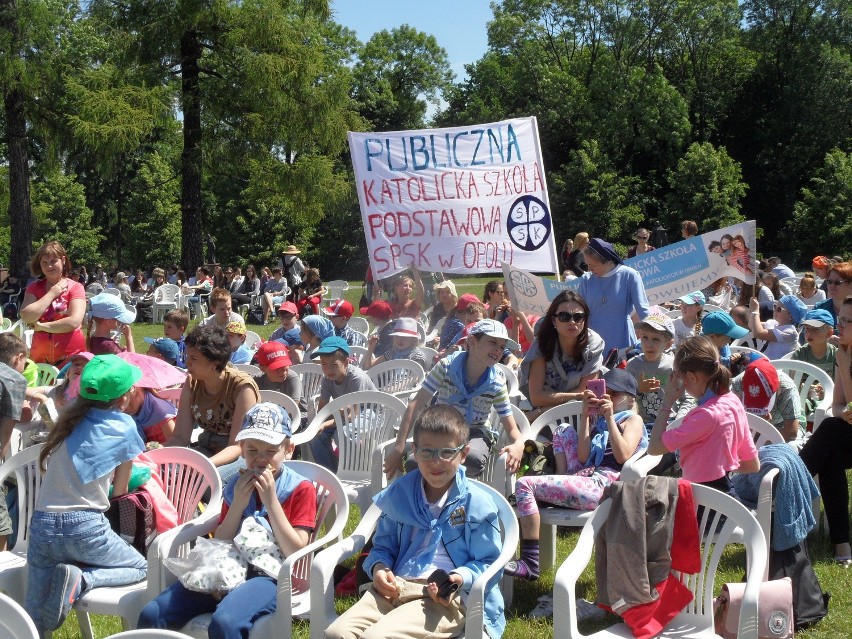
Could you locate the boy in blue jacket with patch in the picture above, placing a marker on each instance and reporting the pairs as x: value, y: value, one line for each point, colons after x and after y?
x: 432, y: 518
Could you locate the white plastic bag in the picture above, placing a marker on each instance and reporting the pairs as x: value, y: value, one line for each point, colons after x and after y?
x: 256, y: 544
x: 214, y: 565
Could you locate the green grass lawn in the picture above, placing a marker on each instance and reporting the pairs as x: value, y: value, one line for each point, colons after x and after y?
x: 836, y: 580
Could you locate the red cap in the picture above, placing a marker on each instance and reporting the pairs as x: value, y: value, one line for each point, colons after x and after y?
x: 760, y: 383
x: 466, y: 300
x: 339, y: 308
x: 288, y: 307
x: 273, y: 355
x: 379, y: 309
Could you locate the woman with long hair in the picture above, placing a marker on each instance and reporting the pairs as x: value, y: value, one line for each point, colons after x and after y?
x: 576, y: 262
x: 839, y: 282
x: 55, y: 306
x: 401, y: 301
x: 496, y: 304
x: 564, y: 356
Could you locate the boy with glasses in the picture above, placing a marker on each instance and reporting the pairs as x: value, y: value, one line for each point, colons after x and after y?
x: 432, y: 518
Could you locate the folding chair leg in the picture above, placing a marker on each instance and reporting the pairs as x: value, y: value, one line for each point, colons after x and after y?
x: 85, y: 622
x: 547, y: 547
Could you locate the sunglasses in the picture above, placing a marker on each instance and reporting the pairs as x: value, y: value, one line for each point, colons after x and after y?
x: 570, y: 317
x: 835, y: 282
x: 428, y: 454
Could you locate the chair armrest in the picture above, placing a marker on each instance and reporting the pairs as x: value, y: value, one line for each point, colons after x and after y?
x: 764, y: 508
x: 169, y: 543
x: 639, y: 465
x: 475, y: 617
x: 322, y: 571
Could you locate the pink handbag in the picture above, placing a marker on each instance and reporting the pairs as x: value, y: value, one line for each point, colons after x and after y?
x: 774, y: 609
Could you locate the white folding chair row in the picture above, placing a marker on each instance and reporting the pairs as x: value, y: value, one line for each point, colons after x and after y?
x: 697, y: 618
x: 366, y: 423
x: 293, y: 598
x: 322, y: 572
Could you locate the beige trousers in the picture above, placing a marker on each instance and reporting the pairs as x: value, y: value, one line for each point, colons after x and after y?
x: 412, y: 615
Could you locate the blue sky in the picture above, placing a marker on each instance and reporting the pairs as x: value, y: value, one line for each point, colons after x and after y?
x: 458, y: 25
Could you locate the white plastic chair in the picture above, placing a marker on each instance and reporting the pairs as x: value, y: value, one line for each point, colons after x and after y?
x: 359, y: 339
x: 148, y: 633
x: 430, y: 354
x: 512, y: 383
x: 494, y: 474
x: 400, y: 377
x: 366, y: 423
x: 47, y: 374
x: 786, y: 289
x: 696, y: 620
x: 792, y: 282
x: 334, y: 290
x: 712, y: 308
x: 804, y: 374
x: 286, y: 402
x: 359, y: 324
x: 24, y: 467
x: 295, y: 574
x: 187, y: 475
x: 251, y: 369
x: 167, y: 297
x: 253, y: 340
x: 322, y: 572
x: 357, y: 352
x: 751, y: 342
x: 15, y: 623
x: 311, y: 374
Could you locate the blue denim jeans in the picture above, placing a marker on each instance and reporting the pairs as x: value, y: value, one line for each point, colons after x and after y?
x: 233, y: 616
x: 322, y: 449
x: 83, y: 538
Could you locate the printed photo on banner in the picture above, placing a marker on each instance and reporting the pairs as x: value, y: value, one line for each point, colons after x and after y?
x: 456, y: 200
x: 667, y: 272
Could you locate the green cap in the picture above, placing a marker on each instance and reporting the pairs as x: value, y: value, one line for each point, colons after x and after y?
x: 107, y: 377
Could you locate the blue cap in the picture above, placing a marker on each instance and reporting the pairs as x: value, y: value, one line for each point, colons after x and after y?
x: 319, y: 326
x: 331, y: 345
x: 620, y: 381
x: 107, y: 306
x: 720, y: 323
x: 818, y: 317
x: 168, y: 348
x: 293, y: 337
x: 267, y: 422
x: 605, y: 250
x: 795, y: 307
x: 696, y: 297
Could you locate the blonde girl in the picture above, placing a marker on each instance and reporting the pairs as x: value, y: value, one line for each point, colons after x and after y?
x: 689, y: 322
x: 808, y: 291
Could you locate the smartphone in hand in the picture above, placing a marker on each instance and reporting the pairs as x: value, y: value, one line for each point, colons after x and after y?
x: 598, y: 387
x: 442, y: 580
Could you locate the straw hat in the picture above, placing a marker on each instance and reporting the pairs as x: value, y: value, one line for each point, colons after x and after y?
x: 291, y: 250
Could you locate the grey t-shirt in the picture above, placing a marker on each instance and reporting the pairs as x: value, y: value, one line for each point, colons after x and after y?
x: 650, y: 403
x: 292, y: 387
x: 355, y: 380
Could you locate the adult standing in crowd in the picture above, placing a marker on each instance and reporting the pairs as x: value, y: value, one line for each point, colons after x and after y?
x: 612, y: 292
x: 564, y: 255
x: 292, y: 268
x: 55, y: 306
x: 688, y: 229
x: 576, y: 262
x: 642, y: 246
x: 402, y: 304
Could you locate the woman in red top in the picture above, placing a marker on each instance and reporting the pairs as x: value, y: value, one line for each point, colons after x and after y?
x: 400, y: 302
x: 54, y: 305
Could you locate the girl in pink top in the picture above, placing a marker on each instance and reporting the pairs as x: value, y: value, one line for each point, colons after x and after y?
x: 714, y: 438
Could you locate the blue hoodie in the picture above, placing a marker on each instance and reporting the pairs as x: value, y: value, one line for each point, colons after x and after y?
x: 467, y: 526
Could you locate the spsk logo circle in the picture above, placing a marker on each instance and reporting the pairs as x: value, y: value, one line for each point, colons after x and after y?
x: 529, y: 223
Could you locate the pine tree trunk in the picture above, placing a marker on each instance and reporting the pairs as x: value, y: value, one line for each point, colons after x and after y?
x: 20, y: 211
x: 191, y: 246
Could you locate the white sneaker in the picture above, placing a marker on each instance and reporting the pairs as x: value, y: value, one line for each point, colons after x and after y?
x: 544, y: 607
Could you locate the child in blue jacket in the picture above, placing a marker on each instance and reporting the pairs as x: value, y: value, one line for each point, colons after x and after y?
x: 432, y: 518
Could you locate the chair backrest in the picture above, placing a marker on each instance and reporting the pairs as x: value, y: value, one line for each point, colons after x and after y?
x: 511, y: 379
x: 397, y: 376
x: 762, y: 432
x: 712, y: 542
x: 792, y: 282
x: 805, y: 374
x: 286, y: 402
x: 553, y: 417
x: 23, y: 466
x: 335, y: 289
x: 167, y: 294
x: 251, y: 369
x: 15, y: 623
x: 47, y: 374
x: 356, y: 354
x: 364, y: 420
x: 332, y: 511
x: 786, y: 289
x: 421, y: 332
x: 187, y: 475
x: 358, y: 339
x: 751, y: 342
x: 359, y: 324
x: 253, y: 340
x: 311, y: 375
x: 494, y: 473
x: 430, y: 354
x: 712, y: 308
